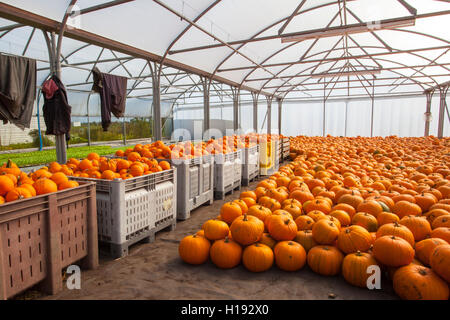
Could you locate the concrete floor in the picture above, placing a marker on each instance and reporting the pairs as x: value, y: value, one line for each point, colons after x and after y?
x: 155, y: 271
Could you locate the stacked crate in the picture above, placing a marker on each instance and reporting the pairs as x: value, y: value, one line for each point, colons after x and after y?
x: 40, y: 236
x: 195, y: 184
x: 132, y: 210
x: 250, y: 164
x: 224, y: 174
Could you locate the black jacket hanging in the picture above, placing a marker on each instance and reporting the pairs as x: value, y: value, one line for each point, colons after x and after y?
x: 113, y: 92
x: 17, y: 89
x: 56, y: 109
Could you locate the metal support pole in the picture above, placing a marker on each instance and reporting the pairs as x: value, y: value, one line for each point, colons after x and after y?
x: 345, y: 121
x: 373, y: 103
x: 236, y: 120
x: 255, y: 111
x: 280, y: 109
x: 429, y: 95
x: 269, y: 114
x: 60, y: 140
x: 324, y: 110
x: 88, y: 121
x: 442, y: 107
x: 206, y: 83
x: 124, y: 131
x: 155, y: 73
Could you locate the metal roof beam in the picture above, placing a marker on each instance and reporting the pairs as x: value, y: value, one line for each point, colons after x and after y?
x: 99, y: 7
x: 294, y: 13
x: 271, y: 37
x: 31, y: 19
x: 339, y: 58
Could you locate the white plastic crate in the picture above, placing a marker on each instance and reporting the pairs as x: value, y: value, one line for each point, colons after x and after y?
x: 250, y: 164
x: 238, y: 169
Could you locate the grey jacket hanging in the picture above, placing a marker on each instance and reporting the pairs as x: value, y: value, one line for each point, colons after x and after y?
x: 17, y: 89
x: 113, y: 92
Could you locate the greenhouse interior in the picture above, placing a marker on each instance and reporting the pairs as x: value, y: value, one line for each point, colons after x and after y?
x: 224, y: 150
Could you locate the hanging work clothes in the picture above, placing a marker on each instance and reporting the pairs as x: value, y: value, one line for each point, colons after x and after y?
x: 56, y: 109
x: 17, y: 89
x: 113, y: 92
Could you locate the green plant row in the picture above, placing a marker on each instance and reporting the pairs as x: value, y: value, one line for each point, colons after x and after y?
x: 46, y: 156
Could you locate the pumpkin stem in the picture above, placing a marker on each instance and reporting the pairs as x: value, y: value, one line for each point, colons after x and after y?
x: 358, y: 253
x: 227, y: 239
x: 9, y: 163
x: 423, y: 271
x: 245, y: 217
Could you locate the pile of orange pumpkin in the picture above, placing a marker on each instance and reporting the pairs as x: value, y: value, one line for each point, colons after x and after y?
x: 190, y: 150
x: 17, y: 185
x: 341, y: 206
x: 97, y: 167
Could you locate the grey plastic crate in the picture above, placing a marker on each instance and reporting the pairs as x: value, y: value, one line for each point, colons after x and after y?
x: 224, y: 174
x: 250, y: 164
x: 195, y: 184
x: 129, y: 211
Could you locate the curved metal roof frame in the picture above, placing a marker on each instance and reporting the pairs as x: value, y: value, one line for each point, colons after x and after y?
x: 409, y: 74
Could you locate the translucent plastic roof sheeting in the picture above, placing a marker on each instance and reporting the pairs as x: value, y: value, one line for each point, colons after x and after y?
x: 161, y: 27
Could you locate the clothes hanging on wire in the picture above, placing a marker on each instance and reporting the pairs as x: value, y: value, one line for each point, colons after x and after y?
x: 17, y: 89
x: 56, y: 109
x: 113, y: 92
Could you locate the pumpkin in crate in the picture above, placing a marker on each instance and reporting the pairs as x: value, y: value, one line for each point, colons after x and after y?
x: 257, y: 257
x: 18, y: 193
x: 289, y: 255
x: 354, y: 238
x: 68, y: 185
x: 225, y: 253
x: 325, y: 260
x: 6, y: 185
x: 246, y: 229
x: 393, y: 251
x: 194, y: 249
x: 414, y: 282
x: 44, y: 186
x: 355, y: 267
x: 10, y: 167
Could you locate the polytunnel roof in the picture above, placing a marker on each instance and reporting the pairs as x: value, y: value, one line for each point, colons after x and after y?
x: 282, y: 49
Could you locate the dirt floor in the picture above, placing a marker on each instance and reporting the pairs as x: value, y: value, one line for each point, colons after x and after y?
x: 155, y: 271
